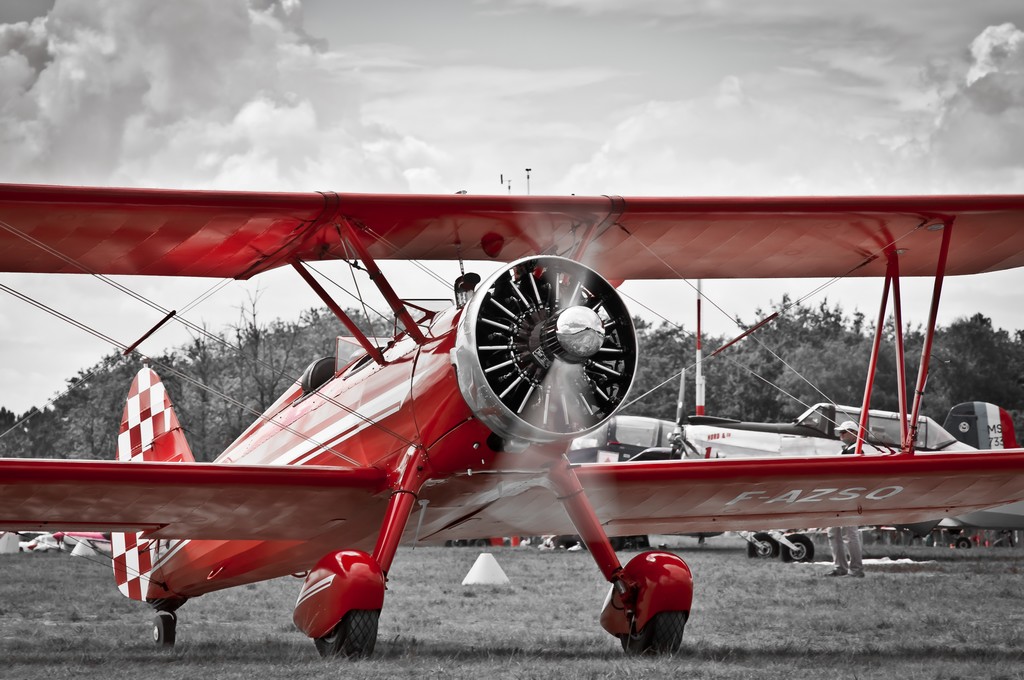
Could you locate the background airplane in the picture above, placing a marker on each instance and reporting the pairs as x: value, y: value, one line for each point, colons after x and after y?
x: 456, y: 428
x: 813, y: 433
x: 969, y: 426
x: 78, y: 543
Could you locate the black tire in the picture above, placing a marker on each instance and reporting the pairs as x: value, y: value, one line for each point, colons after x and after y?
x: 354, y: 637
x: 663, y: 634
x: 165, y: 626
x: 803, y: 550
x: 765, y: 547
x: 963, y: 543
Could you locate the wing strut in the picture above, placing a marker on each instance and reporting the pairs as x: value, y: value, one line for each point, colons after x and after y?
x: 377, y: 276
x: 926, y: 351
x: 901, y: 362
x: 618, y: 206
x: 862, y: 431
x: 364, y: 341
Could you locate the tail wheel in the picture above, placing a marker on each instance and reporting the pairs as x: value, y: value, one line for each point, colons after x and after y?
x: 164, y: 628
x: 546, y: 350
x: 802, y: 550
x: 355, y: 636
x: 663, y: 634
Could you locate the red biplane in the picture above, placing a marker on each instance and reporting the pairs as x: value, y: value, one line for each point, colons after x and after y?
x: 457, y: 427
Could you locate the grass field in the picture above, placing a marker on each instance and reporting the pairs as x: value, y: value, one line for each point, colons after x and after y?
x: 949, y: 614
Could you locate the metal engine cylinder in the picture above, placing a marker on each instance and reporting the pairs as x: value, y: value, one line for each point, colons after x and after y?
x: 545, y: 350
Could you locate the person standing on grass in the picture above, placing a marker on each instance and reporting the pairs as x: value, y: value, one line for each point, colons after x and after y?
x: 837, y: 536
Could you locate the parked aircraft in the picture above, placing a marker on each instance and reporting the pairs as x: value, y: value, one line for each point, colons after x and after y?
x: 623, y: 438
x: 82, y: 543
x: 977, y: 425
x: 457, y: 427
x: 811, y: 434
x: 40, y: 543
x: 90, y: 541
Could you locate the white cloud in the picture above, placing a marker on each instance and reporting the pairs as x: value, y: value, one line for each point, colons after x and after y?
x: 980, y: 129
x: 966, y: 136
x: 189, y: 93
x: 993, y: 49
x: 658, y: 97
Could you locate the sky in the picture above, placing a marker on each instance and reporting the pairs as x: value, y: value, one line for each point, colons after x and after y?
x: 654, y: 97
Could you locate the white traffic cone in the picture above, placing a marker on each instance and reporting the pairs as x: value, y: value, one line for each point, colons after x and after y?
x: 485, y: 572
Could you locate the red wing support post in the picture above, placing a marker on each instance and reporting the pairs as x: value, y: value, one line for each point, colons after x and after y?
x: 377, y: 276
x: 862, y: 430
x: 926, y: 351
x: 901, y: 366
x: 908, y: 424
x: 360, y: 337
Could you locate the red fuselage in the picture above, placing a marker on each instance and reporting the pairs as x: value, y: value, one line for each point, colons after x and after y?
x: 367, y: 416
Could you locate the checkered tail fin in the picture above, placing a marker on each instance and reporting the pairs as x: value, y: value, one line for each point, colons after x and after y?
x: 149, y: 432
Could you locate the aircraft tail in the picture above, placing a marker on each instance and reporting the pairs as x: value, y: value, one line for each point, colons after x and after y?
x: 150, y: 431
x: 981, y: 425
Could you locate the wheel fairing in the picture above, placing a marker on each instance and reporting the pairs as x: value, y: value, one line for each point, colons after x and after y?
x: 663, y: 583
x: 340, y: 582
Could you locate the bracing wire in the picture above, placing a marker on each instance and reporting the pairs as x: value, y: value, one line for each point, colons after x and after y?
x: 141, y: 298
x: 170, y: 370
x: 880, y: 251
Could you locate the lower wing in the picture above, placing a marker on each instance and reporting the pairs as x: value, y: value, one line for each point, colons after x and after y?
x: 216, y: 501
x: 733, y: 494
x: 188, y: 500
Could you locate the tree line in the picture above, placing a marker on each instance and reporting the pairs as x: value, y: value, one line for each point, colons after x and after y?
x: 810, y: 354
x: 220, y: 382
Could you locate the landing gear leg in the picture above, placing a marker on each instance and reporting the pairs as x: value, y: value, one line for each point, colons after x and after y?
x: 649, y: 602
x: 165, y: 623
x: 341, y: 599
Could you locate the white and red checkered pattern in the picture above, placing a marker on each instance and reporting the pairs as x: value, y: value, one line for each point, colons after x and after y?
x: 133, y: 562
x: 147, y: 415
x: 149, y: 432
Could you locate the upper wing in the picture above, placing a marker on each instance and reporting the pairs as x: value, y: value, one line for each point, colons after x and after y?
x: 190, y: 500
x: 732, y: 494
x: 239, y: 234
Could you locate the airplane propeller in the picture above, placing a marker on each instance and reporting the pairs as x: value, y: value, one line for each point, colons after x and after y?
x: 546, y: 350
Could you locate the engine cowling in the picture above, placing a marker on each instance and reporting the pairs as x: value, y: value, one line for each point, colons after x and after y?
x: 545, y: 351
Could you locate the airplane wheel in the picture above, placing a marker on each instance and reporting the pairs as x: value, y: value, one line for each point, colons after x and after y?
x: 802, y: 550
x: 164, y: 628
x: 354, y: 637
x: 765, y: 546
x: 663, y: 634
